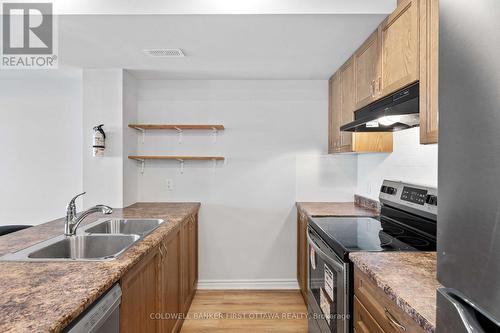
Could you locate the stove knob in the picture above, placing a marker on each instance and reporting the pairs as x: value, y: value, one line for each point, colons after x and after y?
x: 431, y: 200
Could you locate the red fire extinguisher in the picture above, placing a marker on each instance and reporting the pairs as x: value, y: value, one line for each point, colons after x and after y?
x: 98, y: 142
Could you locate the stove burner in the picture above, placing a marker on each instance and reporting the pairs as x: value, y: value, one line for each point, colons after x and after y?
x: 384, y: 240
x: 391, y: 230
x: 413, y: 241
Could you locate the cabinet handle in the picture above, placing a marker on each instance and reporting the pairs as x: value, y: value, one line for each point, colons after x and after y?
x: 379, y: 88
x: 393, y: 321
x: 373, y: 88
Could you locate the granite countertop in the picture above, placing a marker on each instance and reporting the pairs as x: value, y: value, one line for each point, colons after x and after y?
x: 46, y: 297
x: 408, y: 278
x: 336, y: 209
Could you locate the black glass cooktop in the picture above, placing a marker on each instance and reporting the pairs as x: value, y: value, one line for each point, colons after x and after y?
x: 370, y: 234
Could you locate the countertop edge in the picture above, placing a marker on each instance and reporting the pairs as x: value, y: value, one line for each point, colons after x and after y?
x: 399, y: 301
x: 331, y: 208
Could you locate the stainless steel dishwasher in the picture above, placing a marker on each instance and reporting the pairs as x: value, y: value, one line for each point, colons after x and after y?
x: 103, y: 316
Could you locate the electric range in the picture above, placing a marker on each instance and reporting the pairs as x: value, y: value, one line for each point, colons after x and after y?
x: 407, y: 222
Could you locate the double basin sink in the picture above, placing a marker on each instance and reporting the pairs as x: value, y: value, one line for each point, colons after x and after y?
x: 100, y: 240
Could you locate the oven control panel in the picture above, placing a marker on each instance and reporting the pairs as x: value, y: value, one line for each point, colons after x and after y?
x: 421, y: 199
x: 415, y: 195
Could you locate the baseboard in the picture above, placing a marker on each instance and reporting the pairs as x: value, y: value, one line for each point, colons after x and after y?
x: 273, y: 284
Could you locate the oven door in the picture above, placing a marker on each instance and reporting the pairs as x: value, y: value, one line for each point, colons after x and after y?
x: 327, y: 290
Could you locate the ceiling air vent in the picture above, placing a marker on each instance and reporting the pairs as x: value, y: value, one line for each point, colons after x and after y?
x: 165, y: 53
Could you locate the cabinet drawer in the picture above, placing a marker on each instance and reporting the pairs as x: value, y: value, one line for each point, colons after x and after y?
x: 363, y: 321
x: 385, y: 312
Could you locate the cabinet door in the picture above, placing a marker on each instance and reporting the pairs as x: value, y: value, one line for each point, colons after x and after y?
x: 184, y: 258
x: 170, y: 277
x: 139, y: 296
x: 193, y: 255
x: 429, y: 54
x: 347, y: 100
x: 302, y: 252
x: 363, y: 321
x: 367, y: 71
x: 334, y: 113
x: 400, y: 48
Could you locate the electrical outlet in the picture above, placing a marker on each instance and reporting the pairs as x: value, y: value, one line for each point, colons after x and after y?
x: 170, y: 184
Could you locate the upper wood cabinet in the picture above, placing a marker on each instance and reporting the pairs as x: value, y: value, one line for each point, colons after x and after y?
x: 334, y: 113
x: 342, y: 101
x: 399, y: 54
x: 403, y: 50
x: 429, y: 53
x: 367, y: 71
x: 347, y: 102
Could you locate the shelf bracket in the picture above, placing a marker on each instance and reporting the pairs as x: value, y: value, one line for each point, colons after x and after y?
x: 215, y: 164
x: 181, y: 165
x: 179, y: 130
x: 143, y: 162
x: 214, y: 133
x: 143, y: 132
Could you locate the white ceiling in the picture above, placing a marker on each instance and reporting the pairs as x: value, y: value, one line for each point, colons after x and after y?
x: 117, y: 7
x: 216, y: 46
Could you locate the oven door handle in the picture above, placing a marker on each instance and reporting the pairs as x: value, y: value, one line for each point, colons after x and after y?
x: 317, y: 249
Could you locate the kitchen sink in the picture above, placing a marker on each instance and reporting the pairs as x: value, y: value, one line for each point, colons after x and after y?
x: 101, y: 240
x: 82, y: 247
x: 91, y: 247
x: 139, y: 227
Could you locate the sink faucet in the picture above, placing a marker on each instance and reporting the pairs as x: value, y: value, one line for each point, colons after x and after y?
x: 73, y: 220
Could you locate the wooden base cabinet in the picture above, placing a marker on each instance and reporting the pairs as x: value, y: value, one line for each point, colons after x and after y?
x: 189, y: 264
x: 157, y: 292
x: 140, y: 290
x: 302, y: 252
x: 375, y: 312
x: 170, y: 301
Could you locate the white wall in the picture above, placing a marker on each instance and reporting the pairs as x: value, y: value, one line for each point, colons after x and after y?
x: 103, y: 104
x: 40, y: 135
x: 410, y: 162
x: 247, y: 220
x: 326, y: 177
x: 130, y: 179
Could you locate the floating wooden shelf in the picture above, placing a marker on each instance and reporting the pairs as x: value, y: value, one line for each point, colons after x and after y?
x: 181, y: 159
x: 179, y: 128
x: 178, y: 158
x: 176, y: 127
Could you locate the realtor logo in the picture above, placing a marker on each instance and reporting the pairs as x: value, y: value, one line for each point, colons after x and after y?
x: 28, y: 32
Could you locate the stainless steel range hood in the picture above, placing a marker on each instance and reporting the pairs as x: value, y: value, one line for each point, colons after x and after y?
x: 392, y: 113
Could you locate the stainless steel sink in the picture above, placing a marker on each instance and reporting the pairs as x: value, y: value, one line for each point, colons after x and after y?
x: 139, y: 227
x: 79, y: 247
x: 102, y: 240
x: 85, y: 247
